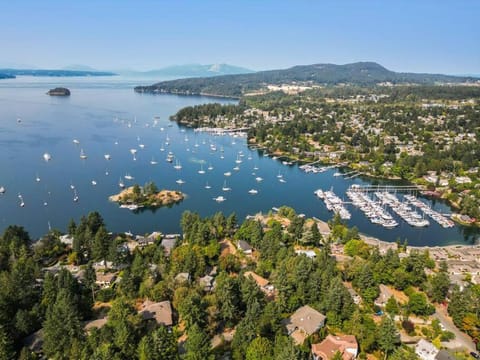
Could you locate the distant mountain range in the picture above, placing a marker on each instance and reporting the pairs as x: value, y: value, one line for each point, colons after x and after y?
x: 360, y: 73
x: 189, y: 70
x: 12, y: 73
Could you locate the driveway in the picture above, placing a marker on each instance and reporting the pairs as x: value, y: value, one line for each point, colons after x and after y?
x: 461, y: 339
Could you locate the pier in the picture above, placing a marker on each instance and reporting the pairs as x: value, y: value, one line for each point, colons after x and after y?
x: 385, y: 188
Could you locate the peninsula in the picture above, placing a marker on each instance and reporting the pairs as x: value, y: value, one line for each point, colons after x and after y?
x: 59, y: 91
x: 148, y: 196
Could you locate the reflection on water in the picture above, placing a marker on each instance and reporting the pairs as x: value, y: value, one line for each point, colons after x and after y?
x: 107, y: 117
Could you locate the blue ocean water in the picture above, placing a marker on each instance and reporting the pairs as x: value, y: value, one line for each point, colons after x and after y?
x: 106, y: 116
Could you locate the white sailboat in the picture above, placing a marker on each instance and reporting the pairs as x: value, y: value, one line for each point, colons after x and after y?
x: 228, y: 173
x: 225, y: 187
x: 153, y: 161
x: 94, y: 182
x: 37, y: 179
x: 121, y: 184
x: 219, y: 199
x: 177, y: 165
x: 107, y: 156
x: 75, y: 195
x: 258, y: 179
x: 47, y: 157
x: 253, y: 191
x: 180, y: 182
x: 210, y: 167
x: 82, y: 154
x: 128, y: 177
x: 207, y: 186
x: 76, y: 142
x: 2, y: 190
x: 201, y: 171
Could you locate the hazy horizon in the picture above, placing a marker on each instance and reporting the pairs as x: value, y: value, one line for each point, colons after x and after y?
x: 427, y: 36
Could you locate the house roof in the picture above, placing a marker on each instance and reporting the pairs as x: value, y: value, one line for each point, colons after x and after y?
x: 160, y: 311
x: 97, y: 323
x: 257, y: 278
x: 105, y: 277
x: 328, y: 347
x: 444, y: 355
x: 243, y: 245
x: 305, y: 318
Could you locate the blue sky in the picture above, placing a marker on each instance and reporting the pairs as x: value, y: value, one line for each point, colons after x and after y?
x: 404, y: 35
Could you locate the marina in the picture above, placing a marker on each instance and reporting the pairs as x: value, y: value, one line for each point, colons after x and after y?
x: 116, y: 122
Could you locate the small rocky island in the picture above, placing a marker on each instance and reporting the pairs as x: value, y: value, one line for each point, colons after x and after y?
x: 59, y: 91
x: 148, y: 196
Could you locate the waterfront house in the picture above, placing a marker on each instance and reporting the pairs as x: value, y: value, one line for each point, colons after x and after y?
x: 346, y: 345
x: 303, y: 323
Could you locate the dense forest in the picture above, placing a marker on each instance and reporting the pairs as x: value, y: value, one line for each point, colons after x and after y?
x: 52, y: 286
x: 361, y: 73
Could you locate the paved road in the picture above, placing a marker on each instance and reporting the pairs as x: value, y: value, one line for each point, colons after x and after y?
x: 461, y: 339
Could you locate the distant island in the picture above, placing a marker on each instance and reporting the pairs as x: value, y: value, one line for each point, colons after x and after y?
x: 360, y: 73
x: 6, y: 76
x: 12, y: 73
x: 59, y: 91
x: 148, y: 196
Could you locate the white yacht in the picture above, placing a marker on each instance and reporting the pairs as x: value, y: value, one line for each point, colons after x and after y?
x: 22, y: 203
x: 128, y: 177
x: 107, y: 156
x: 121, y: 184
x: 2, y: 190
x: 253, y: 191
x: 236, y: 168
x: 282, y: 180
x: 76, y: 142
x: 210, y: 167
x: 219, y: 199
x: 180, y: 181
x: 258, y: 179
x: 75, y: 196
x: 37, y: 179
x: 228, y: 173
x: 94, y: 182
x: 153, y: 161
x: 133, y: 151
x: 47, y: 157
x: 82, y: 155
x: 141, y: 146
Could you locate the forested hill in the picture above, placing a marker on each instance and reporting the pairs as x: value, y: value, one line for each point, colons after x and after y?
x: 360, y: 73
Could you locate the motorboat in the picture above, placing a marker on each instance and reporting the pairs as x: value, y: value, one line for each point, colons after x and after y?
x: 219, y: 199
x: 47, y: 157
x: 107, y: 156
x: 253, y: 191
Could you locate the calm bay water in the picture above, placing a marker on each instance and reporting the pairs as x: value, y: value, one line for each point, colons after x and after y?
x: 98, y: 114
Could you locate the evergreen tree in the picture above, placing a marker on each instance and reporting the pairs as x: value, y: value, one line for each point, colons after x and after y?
x: 101, y: 245
x: 259, y: 349
x: 62, y: 326
x: 6, y: 345
x: 388, y: 336
x: 198, y: 344
x: 285, y: 349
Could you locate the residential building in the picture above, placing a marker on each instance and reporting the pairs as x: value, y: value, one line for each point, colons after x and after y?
x: 303, y: 323
x: 346, y: 345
